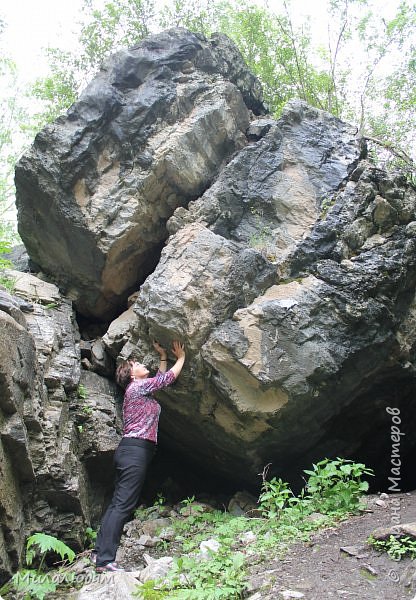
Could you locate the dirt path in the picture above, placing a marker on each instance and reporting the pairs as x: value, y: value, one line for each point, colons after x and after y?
x: 320, y: 570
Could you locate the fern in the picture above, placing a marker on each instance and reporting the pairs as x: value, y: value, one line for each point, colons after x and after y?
x: 47, y: 543
x: 33, y: 584
x: 82, y: 391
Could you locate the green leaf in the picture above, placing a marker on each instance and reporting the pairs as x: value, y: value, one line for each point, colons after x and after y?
x: 33, y: 584
x: 48, y: 543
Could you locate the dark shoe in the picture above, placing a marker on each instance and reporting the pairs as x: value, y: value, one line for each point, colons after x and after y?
x: 111, y: 567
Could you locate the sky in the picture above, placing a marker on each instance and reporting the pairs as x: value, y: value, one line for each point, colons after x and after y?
x: 35, y: 24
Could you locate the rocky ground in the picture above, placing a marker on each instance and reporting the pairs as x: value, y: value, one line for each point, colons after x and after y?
x: 336, y: 561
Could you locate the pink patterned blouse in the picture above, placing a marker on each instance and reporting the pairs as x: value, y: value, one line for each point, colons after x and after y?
x: 140, y: 410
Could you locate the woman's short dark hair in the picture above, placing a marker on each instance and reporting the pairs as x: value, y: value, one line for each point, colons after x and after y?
x: 123, y: 373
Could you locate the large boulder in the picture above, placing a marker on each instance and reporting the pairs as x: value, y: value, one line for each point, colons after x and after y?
x: 292, y: 283
x: 149, y: 134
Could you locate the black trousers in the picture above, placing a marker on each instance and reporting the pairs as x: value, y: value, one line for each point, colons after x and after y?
x: 131, y: 460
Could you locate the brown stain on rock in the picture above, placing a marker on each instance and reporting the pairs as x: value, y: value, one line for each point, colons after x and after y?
x: 245, y: 390
x: 81, y: 193
x: 293, y: 289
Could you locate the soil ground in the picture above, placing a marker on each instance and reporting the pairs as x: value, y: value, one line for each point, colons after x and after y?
x: 320, y: 570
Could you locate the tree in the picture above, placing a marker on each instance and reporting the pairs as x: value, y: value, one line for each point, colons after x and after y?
x: 58, y: 90
x: 273, y: 48
x: 383, y: 40
x: 373, y: 75
x: 120, y: 23
x: 395, y: 118
x: 12, y: 141
x: 201, y: 16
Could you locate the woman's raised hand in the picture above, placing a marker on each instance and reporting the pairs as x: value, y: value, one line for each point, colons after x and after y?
x: 159, y: 348
x: 178, y: 349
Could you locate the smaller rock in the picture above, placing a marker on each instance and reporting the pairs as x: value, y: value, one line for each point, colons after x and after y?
x: 9, y: 305
x: 148, y: 540
x: 157, y: 512
x: 136, y: 573
x: 409, y: 576
x: 292, y: 594
x: 248, y: 537
x: 86, y: 364
x: 85, y: 349
x: 101, y: 361
x: 383, y: 533
x: 208, y: 546
x: 132, y: 299
x: 112, y: 585
x: 167, y: 534
x: 357, y: 551
x: 153, y: 526
x: 156, y: 568
x: 80, y: 565
x: 19, y: 257
x: 258, y: 129
x: 315, y: 516
x: 381, y: 503
x: 133, y: 529
x: 117, y: 334
x: 410, y: 230
x: 384, y: 496
x: 373, y: 242
x: 370, y: 569
x: 384, y: 215
x: 241, y: 503
x: 195, y: 508
x: 359, y: 170
x: 7, y: 300
x: 34, y: 289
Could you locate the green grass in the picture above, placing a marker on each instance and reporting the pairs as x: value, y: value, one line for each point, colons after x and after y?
x: 333, y: 490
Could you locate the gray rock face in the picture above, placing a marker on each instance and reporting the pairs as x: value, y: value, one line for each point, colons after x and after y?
x: 17, y: 364
x: 149, y: 134
x: 53, y: 442
x: 268, y: 197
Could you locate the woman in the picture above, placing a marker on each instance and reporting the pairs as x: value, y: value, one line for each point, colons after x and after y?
x: 136, y: 449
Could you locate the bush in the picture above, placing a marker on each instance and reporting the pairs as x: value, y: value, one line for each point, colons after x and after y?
x: 336, y: 485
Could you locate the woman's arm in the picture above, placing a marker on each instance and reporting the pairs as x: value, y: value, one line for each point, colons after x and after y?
x: 165, y: 378
x: 179, y: 351
x: 163, y: 365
